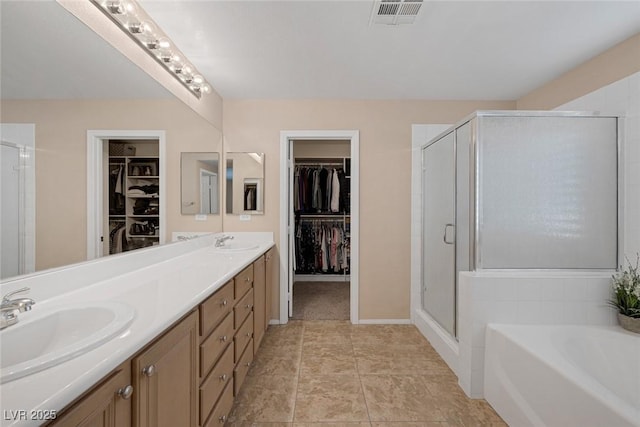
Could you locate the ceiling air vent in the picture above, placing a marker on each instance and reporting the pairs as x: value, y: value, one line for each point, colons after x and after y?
x: 394, y: 12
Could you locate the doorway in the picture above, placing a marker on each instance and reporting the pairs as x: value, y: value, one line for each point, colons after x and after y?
x: 318, y: 232
x: 139, y: 167
x: 208, y: 192
x: 17, y: 228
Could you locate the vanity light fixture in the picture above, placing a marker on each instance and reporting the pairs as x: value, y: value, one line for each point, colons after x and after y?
x: 135, y: 22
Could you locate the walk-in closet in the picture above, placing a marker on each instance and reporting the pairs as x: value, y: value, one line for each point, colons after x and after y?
x: 132, y: 195
x: 321, y: 208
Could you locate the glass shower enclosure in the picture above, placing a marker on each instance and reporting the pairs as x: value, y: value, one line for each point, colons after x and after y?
x: 506, y: 190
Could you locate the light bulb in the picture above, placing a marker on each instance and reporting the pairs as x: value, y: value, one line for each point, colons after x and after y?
x: 197, y: 79
x: 164, y: 43
x: 206, y: 88
x: 151, y: 42
x: 139, y: 27
x: 187, y: 77
x: 115, y: 7
x: 165, y: 56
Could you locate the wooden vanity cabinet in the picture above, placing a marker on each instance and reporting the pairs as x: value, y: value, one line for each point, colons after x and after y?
x: 165, y: 378
x: 190, y: 374
x: 260, y: 296
x: 269, y: 262
x: 107, y: 405
x: 217, y: 362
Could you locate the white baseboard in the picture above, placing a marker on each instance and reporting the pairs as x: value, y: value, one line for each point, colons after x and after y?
x: 274, y: 321
x: 384, y: 321
x: 321, y: 278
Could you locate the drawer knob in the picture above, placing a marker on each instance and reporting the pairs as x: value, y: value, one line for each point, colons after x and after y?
x: 247, y: 279
x: 248, y: 306
x: 248, y: 334
x: 248, y: 364
x: 149, y: 370
x: 222, y: 419
x: 126, y: 392
x: 223, y: 338
x: 224, y: 303
x: 223, y: 377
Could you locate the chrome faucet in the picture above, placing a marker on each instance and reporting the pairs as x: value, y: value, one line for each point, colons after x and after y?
x: 220, y: 240
x: 9, y: 308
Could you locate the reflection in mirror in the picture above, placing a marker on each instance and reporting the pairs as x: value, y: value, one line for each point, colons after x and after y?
x: 90, y: 86
x: 245, y: 183
x: 199, y: 183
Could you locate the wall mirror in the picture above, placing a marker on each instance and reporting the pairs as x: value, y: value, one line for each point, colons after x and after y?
x: 62, y: 90
x: 199, y: 183
x: 244, y: 183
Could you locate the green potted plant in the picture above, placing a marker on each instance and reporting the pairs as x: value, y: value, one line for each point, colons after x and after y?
x: 626, y: 296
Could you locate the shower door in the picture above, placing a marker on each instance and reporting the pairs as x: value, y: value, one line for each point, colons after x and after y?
x: 438, y: 232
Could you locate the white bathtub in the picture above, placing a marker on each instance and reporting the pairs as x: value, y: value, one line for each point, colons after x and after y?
x: 563, y: 375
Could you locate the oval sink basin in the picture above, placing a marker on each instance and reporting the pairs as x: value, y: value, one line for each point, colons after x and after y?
x: 40, y: 341
x: 237, y: 246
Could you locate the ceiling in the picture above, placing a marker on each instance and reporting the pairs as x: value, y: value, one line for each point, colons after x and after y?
x: 483, y: 50
x: 489, y: 50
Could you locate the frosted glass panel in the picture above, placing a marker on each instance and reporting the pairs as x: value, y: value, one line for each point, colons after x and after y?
x: 548, y: 192
x: 438, y: 216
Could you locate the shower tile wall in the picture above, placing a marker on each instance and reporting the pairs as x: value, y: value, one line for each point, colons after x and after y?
x: 538, y: 299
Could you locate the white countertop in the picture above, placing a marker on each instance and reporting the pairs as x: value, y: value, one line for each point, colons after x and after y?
x: 161, y: 293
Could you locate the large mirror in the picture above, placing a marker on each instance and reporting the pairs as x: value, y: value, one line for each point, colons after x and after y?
x: 244, y: 183
x: 199, y: 183
x: 59, y: 80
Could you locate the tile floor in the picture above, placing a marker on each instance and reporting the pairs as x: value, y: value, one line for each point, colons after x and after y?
x: 331, y: 372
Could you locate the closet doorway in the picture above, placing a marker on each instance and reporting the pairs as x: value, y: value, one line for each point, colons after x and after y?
x: 319, y: 194
x: 125, y: 191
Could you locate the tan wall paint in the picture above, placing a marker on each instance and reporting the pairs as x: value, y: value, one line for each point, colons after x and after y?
x: 61, y: 135
x: 321, y: 149
x: 385, y: 177
x: 612, y: 65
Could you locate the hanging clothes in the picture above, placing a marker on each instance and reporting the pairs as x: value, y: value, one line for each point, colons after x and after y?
x: 321, y: 246
x: 317, y: 189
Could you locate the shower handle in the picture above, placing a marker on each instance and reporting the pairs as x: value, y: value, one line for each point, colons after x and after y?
x: 444, y: 237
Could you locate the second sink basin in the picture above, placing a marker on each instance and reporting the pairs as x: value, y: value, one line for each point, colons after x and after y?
x: 40, y: 341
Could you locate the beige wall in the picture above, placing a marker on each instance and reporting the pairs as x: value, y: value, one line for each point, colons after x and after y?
x: 61, y: 139
x: 321, y: 149
x: 612, y: 65
x: 385, y: 177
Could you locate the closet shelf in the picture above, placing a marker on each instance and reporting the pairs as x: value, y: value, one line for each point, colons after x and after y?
x: 143, y: 196
x: 143, y: 176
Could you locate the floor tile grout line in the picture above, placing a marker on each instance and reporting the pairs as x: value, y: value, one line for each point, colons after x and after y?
x: 295, y: 395
x: 355, y: 360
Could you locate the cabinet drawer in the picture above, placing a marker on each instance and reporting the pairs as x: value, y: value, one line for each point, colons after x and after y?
x: 242, y: 367
x: 243, y: 282
x: 212, y: 387
x: 243, y: 309
x: 215, y: 344
x: 215, y: 308
x: 220, y: 413
x: 243, y: 336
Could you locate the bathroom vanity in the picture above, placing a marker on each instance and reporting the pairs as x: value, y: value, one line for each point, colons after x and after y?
x: 200, y: 314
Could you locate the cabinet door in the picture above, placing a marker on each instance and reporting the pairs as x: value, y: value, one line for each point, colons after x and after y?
x: 438, y: 228
x: 270, y: 260
x: 107, y: 405
x: 259, y: 301
x: 165, y: 378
